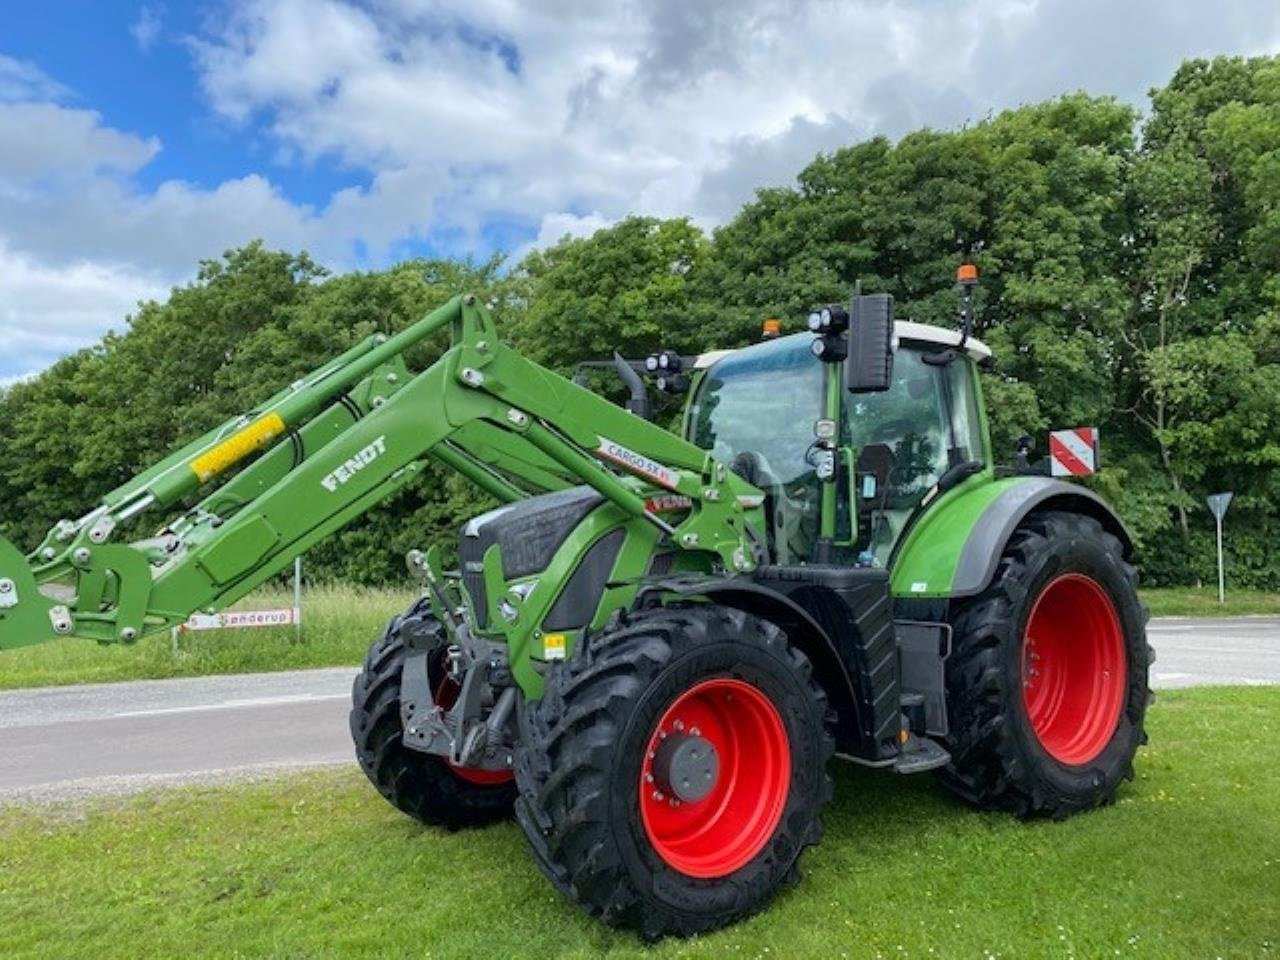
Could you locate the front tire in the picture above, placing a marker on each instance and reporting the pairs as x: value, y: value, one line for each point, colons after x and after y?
x: 672, y: 774
x: 1047, y: 680
x: 425, y: 787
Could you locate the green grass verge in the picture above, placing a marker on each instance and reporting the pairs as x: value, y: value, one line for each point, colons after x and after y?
x: 1185, y: 864
x: 1197, y: 602
x: 341, y: 622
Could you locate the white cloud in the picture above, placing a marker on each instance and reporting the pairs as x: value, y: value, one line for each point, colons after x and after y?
x: 44, y: 140
x: 461, y: 113
x: 667, y: 107
x: 20, y: 80
x: 146, y: 29
x: 49, y: 311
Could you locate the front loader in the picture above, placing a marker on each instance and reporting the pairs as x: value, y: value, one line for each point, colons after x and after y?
x: 653, y: 648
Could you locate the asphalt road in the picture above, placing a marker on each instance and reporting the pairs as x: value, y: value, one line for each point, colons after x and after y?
x: 67, y: 742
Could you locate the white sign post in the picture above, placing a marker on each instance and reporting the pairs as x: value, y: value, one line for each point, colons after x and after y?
x: 297, y: 597
x: 1218, y: 504
x: 242, y: 619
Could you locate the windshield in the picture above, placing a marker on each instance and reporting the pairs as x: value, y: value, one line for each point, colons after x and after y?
x: 755, y: 411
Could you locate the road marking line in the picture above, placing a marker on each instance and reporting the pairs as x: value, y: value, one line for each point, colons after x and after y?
x: 235, y: 704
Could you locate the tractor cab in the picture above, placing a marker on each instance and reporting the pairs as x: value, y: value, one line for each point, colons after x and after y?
x: 761, y: 410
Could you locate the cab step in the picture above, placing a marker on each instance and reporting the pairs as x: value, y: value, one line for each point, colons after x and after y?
x: 919, y: 754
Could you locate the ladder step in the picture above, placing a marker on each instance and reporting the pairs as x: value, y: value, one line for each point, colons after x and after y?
x: 920, y: 754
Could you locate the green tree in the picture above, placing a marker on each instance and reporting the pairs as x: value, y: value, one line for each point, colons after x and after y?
x: 627, y: 288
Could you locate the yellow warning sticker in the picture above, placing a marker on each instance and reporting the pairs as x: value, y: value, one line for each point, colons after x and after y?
x: 238, y: 446
x: 554, y: 646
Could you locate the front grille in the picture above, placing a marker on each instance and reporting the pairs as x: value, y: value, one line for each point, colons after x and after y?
x: 528, y: 533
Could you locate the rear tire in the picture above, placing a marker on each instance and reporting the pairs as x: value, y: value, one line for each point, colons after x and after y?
x: 421, y: 785
x: 1047, y: 680
x: 667, y: 855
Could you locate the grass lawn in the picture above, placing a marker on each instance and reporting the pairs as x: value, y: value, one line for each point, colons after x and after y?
x: 341, y: 622
x: 1186, y: 864
x: 1203, y: 602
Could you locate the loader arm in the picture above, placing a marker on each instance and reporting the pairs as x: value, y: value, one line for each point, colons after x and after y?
x: 336, y: 443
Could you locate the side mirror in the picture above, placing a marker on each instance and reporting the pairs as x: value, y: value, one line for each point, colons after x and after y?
x: 868, y: 368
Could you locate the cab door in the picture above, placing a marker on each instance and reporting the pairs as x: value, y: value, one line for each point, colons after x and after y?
x: 902, y: 442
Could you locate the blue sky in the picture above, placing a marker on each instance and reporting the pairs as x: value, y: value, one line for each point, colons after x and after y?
x: 138, y: 138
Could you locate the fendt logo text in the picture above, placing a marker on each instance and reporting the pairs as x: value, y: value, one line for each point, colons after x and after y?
x: 355, y: 464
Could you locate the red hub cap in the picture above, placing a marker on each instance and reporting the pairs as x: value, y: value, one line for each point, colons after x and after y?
x: 446, y: 696
x: 1074, y: 671
x: 715, y: 778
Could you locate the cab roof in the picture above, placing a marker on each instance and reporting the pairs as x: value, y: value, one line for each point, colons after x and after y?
x: 903, y: 330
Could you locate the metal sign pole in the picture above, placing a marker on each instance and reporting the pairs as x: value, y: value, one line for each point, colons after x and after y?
x: 1218, y: 504
x: 1222, y: 579
x: 297, y: 596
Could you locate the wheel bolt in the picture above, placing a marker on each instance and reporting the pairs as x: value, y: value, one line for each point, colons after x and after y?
x: 657, y: 795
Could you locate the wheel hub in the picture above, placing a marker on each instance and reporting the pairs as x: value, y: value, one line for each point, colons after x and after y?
x: 686, y: 766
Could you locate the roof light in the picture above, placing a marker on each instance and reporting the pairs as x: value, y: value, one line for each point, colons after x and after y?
x: 772, y: 329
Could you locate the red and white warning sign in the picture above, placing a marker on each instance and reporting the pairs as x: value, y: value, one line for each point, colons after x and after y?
x: 1073, y: 453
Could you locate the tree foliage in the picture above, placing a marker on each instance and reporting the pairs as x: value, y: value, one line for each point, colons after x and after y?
x: 1131, y: 279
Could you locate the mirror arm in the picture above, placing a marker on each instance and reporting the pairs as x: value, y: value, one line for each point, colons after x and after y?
x: 639, y: 403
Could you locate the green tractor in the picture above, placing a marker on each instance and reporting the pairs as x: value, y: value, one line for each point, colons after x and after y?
x: 653, y: 649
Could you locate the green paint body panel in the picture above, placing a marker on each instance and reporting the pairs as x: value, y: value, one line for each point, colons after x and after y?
x: 926, y: 561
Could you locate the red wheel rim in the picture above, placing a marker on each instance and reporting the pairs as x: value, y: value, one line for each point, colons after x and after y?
x: 446, y: 696
x: 722, y: 831
x: 1074, y: 669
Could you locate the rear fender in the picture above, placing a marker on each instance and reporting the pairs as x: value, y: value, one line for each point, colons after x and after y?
x: 954, y: 549
x: 977, y: 562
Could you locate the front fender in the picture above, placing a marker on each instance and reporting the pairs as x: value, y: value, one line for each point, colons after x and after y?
x: 802, y: 629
